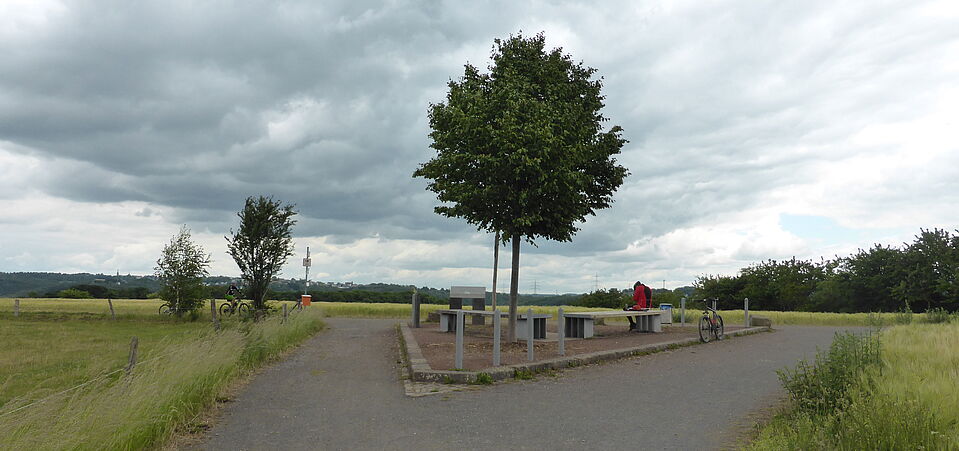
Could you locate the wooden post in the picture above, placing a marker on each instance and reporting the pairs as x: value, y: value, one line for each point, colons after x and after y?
x: 112, y: 313
x: 16, y: 308
x: 216, y: 322
x: 746, y: 311
x: 284, y: 312
x: 562, y: 332
x: 416, y: 309
x: 134, y: 343
x: 682, y: 313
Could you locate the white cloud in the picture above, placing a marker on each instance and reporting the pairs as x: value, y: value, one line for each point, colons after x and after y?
x: 115, y: 130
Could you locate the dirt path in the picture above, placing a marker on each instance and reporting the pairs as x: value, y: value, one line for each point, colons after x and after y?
x: 340, y: 391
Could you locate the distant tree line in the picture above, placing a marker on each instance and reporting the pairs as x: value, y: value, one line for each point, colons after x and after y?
x: 917, y: 276
x: 87, y: 291
x: 396, y: 297
x: 617, y: 299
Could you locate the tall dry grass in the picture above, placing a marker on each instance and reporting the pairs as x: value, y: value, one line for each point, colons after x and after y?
x: 163, y: 392
x: 908, y: 400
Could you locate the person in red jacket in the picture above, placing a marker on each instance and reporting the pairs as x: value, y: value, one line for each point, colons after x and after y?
x: 642, y: 295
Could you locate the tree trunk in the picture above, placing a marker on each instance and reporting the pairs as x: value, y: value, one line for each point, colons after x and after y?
x: 513, y: 291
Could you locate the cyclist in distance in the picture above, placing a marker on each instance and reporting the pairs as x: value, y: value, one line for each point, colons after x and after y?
x: 232, y: 293
x: 642, y: 296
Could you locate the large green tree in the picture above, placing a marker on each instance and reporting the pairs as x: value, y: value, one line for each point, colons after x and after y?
x: 181, y: 268
x: 521, y: 150
x: 262, y: 244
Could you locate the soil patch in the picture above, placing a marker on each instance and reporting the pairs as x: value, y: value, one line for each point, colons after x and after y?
x: 439, y: 347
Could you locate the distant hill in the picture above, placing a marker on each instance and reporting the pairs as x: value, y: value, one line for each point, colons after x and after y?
x: 35, y: 284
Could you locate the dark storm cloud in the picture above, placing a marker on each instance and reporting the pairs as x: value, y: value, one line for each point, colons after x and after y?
x: 193, y: 107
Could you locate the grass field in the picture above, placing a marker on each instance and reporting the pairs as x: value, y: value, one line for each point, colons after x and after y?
x: 733, y: 317
x: 909, y: 400
x: 146, y: 308
x: 182, y: 366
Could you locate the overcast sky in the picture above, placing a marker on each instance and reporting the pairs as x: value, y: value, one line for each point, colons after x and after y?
x: 758, y: 130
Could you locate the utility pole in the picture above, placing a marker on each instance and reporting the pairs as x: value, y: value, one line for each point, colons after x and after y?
x: 534, y: 286
x: 596, y: 282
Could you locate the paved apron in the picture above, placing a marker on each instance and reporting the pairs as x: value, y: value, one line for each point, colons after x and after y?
x: 340, y: 391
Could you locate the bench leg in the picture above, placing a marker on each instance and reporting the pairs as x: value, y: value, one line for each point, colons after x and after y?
x: 521, y: 328
x: 539, y: 326
x: 587, y: 327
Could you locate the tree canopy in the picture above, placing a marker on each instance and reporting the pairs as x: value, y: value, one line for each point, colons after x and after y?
x: 181, y: 268
x: 262, y: 244
x: 521, y: 150
x: 917, y: 276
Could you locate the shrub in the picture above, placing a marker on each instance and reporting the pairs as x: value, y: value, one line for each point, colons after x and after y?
x: 823, y: 387
x: 937, y: 315
x: 73, y: 293
x: 904, y: 316
x: 611, y: 298
x: 483, y: 379
x: 523, y: 374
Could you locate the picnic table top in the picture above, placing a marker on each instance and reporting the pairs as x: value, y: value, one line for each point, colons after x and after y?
x: 614, y: 313
x: 490, y: 313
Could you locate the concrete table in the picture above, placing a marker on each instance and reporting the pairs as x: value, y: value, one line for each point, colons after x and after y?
x: 580, y: 324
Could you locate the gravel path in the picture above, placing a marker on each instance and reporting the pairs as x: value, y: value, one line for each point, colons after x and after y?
x: 341, y: 391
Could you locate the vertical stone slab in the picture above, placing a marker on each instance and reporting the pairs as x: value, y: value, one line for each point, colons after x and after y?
x: 561, y: 335
x: 529, y: 336
x: 459, y: 340
x: 496, y: 339
x: 479, y: 304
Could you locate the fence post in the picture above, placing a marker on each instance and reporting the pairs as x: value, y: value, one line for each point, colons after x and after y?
x: 682, y: 311
x: 216, y: 322
x: 496, y: 338
x: 416, y: 309
x: 284, y: 311
x: 16, y: 308
x: 459, y: 340
x: 112, y: 313
x: 562, y: 332
x: 746, y: 311
x: 529, y: 330
x: 134, y: 343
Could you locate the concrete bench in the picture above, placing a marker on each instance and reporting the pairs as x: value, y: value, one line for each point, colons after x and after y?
x: 580, y: 324
x: 448, y: 321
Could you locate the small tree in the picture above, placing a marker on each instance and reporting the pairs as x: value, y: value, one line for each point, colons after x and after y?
x: 522, y: 150
x: 181, y: 268
x: 262, y: 244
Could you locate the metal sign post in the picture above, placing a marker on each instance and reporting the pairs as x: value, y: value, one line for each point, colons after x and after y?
x: 307, y: 262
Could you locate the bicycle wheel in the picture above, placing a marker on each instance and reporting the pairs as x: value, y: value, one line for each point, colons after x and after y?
x: 164, y: 309
x: 226, y: 309
x: 704, y: 329
x: 718, y: 330
x: 244, y: 309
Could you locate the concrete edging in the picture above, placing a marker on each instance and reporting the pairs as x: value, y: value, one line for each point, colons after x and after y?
x: 420, y: 370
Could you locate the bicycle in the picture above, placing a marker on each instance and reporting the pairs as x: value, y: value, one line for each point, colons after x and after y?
x: 167, y: 308
x: 710, y: 324
x: 232, y: 306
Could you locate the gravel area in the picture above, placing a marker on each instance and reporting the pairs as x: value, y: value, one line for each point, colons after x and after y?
x: 439, y: 347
